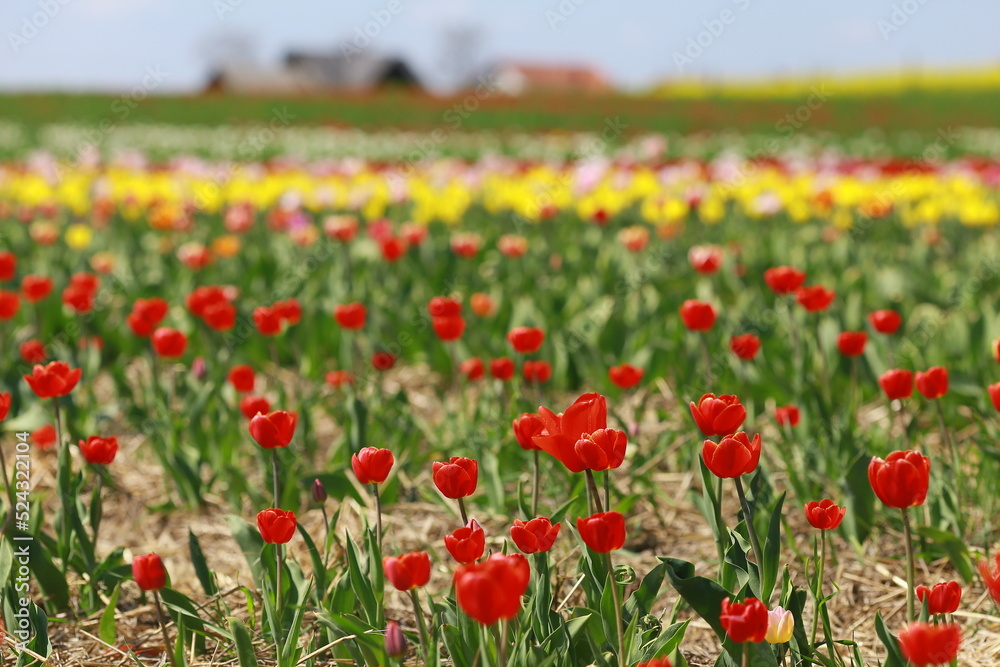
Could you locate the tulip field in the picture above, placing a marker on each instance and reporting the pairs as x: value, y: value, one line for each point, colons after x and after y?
x: 638, y: 403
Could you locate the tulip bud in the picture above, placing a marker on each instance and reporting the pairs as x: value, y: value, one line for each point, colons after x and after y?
x: 780, y: 625
x: 198, y: 368
x: 395, y: 641
x: 318, y: 492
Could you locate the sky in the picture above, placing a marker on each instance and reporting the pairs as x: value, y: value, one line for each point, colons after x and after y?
x: 115, y: 45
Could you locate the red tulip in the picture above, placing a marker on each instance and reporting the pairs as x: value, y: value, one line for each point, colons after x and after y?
x: 8, y: 265
x: 396, y: 645
x: 276, y: 526
x: 526, y: 427
x: 44, y: 437
x: 705, y: 259
x: 10, y: 303
x: 697, y: 315
x: 267, y: 320
x: 85, y: 281
x: 735, y: 455
x: 852, y: 343
x: 588, y: 413
x: 342, y: 228
x: 744, y: 621
x: 994, y: 391
x: 815, y: 298
x: 146, y: 315
x: 251, y: 405
x: 473, y: 369
x: 36, y: 288
x: 656, y: 662
x: 413, y: 233
x: 536, y: 371
x: 490, y: 591
x: 4, y: 405
x: 534, y: 536
x: 169, y: 343
x: 502, y: 368
x: 944, y: 598
x: 825, y: 514
x: 443, y: 306
x: 604, y: 449
x: 897, y: 383
x: 383, y: 361
x: 409, y: 571
x: 996, y: 350
x: 602, y: 532
x: 372, y: 465
x: 526, y: 340
x: 991, y: 577
x: 99, y: 451
x: 289, y: 311
x: 784, y: 279
x: 242, y: 378
x: 392, y: 248
x: 512, y: 245
x: 337, y: 379
x: 924, y: 644
x: 202, y: 298
x: 933, y: 383
x: 787, y: 415
x: 53, y: 380
x: 885, y: 321
x: 625, y: 376
x: 745, y: 346
x: 32, y: 351
x: 350, y: 315
x: 465, y: 244
x: 220, y: 316
x: 901, y: 479
x: 78, y: 299
x: 467, y: 544
x: 274, y: 429
x: 718, y: 415
x: 457, y: 478
x: 449, y: 328
x: 482, y: 304
x: 148, y: 572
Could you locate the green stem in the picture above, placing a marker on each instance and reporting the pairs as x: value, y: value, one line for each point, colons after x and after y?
x: 593, y: 492
x: 421, y: 627
x: 607, y: 489
x: 748, y: 518
x: 902, y: 423
x: 818, y: 591
x: 616, y: 597
x: 502, y: 644
x: 163, y: 628
x: 536, y: 486
x: 277, y: 594
x: 911, y: 568
x: 720, y: 527
x: 461, y: 509
x: 274, y: 474
x: 378, y: 516
x: 706, y: 359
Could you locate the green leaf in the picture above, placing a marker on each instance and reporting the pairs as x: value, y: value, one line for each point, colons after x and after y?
x: 860, y: 499
x: 893, y: 658
x: 772, y: 552
x: 668, y: 641
x: 641, y: 601
x: 106, y: 627
x: 201, y: 565
x: 957, y: 552
x: 244, y: 643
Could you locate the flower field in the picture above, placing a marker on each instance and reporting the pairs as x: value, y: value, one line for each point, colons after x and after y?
x: 625, y: 402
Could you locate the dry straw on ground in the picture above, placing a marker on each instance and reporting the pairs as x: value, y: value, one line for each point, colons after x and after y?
x: 869, y: 582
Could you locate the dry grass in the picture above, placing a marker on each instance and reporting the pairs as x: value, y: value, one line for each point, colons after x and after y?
x: 869, y: 583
